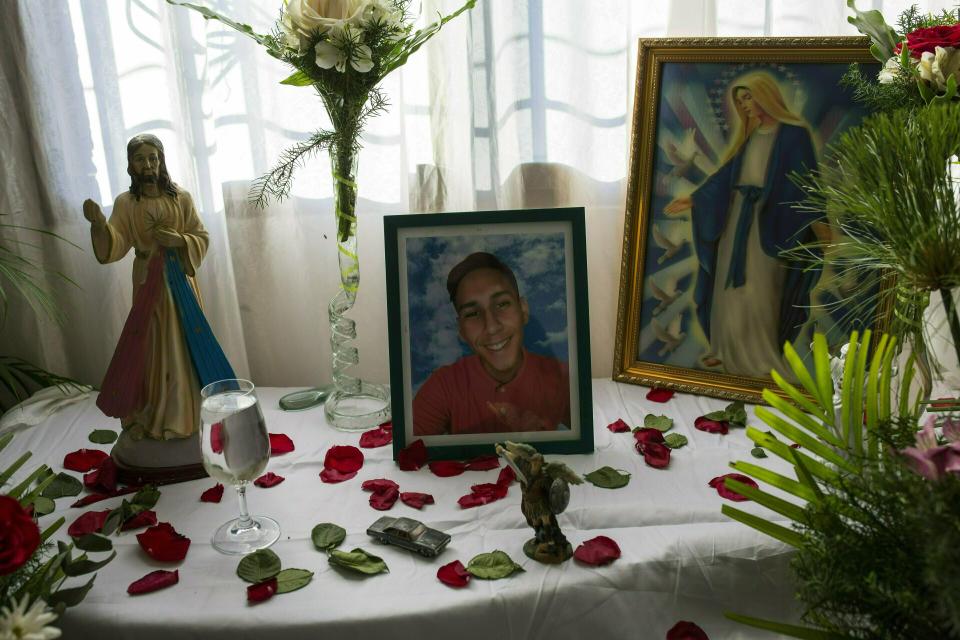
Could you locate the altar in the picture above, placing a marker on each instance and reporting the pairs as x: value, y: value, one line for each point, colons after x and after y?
x: 681, y: 558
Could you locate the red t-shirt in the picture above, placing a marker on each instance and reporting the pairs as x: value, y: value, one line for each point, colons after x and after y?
x: 463, y: 398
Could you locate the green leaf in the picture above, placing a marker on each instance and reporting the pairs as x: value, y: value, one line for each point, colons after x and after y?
x: 82, y: 565
x: 783, y: 534
x: 794, y: 631
x: 492, y: 566
x: 71, y: 597
x: 778, y: 505
x: 846, y: 388
x: 770, y: 443
x: 675, y: 440
x: 779, y: 481
x: 871, y: 23
x: 115, y: 518
x: 805, y: 440
x: 737, y: 414
x: 856, y: 398
x: 327, y: 535
x: 209, y: 14
x: 718, y: 416
x: 292, y: 579
x: 872, y: 399
x: 9, y: 471
x: 42, y: 506
x: 660, y: 423
x: 357, y: 560
x: 608, y: 478
x: 102, y: 436
x: 802, y: 400
x: 259, y: 566
x: 821, y: 368
x: 803, y: 375
x: 93, y: 542
x: 63, y: 485
x: 758, y: 452
x: 17, y: 491
x: 803, y: 419
x: 298, y: 79
x: 146, y: 497
x: 52, y: 529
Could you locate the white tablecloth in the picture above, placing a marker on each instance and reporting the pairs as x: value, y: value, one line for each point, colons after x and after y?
x: 682, y: 559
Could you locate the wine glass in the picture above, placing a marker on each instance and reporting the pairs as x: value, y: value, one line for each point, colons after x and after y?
x: 236, y: 448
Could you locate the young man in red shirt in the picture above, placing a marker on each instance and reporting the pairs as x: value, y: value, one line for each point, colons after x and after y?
x: 501, y: 387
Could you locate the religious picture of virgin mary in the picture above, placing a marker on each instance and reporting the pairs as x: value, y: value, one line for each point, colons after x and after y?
x: 719, y: 293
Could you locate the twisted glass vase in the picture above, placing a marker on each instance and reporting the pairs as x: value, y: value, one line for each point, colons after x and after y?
x: 351, y: 404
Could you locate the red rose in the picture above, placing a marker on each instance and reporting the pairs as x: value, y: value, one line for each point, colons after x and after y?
x: 19, y: 535
x: 930, y: 38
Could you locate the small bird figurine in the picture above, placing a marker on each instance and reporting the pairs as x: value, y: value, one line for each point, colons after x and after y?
x: 546, y: 493
x: 672, y: 336
x: 669, y: 247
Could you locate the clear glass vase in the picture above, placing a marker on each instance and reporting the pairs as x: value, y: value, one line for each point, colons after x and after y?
x: 353, y: 404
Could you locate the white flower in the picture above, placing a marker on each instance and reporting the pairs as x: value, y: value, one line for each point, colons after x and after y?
x: 936, y: 68
x: 381, y: 12
x: 891, y: 71
x: 21, y: 623
x: 302, y: 20
x: 343, y: 46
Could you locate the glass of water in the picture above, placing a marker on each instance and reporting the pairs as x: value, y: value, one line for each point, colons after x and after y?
x: 236, y: 448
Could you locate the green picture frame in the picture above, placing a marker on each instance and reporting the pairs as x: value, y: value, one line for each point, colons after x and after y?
x: 547, y: 336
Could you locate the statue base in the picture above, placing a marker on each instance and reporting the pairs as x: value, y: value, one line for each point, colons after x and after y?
x: 548, y: 552
x: 148, y: 461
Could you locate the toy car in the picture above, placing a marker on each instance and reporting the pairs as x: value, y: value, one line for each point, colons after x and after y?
x: 409, y: 534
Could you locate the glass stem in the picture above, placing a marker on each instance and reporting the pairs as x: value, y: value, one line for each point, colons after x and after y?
x: 244, y: 521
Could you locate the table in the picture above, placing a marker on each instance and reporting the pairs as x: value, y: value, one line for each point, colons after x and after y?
x: 682, y: 559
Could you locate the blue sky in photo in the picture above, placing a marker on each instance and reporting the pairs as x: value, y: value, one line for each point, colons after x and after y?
x: 537, y: 261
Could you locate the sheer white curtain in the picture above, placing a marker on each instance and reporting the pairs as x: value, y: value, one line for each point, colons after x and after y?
x: 515, y: 104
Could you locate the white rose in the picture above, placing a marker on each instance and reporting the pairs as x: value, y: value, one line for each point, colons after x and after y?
x: 890, y: 72
x: 936, y: 68
x: 303, y: 19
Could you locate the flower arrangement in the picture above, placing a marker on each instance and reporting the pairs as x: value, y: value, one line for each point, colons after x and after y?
x: 343, y: 49
x: 32, y: 575
x: 921, y: 59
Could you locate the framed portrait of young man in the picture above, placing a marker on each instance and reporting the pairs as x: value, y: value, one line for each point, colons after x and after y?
x: 489, y: 331
x: 721, y: 265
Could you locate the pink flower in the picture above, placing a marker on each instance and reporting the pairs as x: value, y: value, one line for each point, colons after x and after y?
x: 931, y: 460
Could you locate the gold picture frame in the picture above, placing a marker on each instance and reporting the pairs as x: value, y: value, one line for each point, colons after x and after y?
x: 687, y: 125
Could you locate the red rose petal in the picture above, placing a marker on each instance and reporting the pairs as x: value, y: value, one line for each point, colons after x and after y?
x: 84, y: 460
x: 447, y: 468
x: 384, y: 500
x: 483, y: 463
x: 216, y: 437
x: 146, y: 518
x: 153, y: 581
x: 487, y: 492
x: 506, y: 477
x: 658, y: 394
x: 647, y: 434
x: 711, y: 426
x: 332, y: 476
x: 416, y: 500
x: 88, y: 522
x: 97, y: 497
x: 213, y: 494
x: 269, y: 479
x: 376, y: 438
x: 656, y: 455
x: 280, y: 443
x: 795, y: 445
x: 162, y: 542
x: 345, y: 459
x: 262, y: 590
x: 597, y: 551
x: 619, y: 426
x: 19, y: 540
x: 685, y: 630
x: 379, y: 485
x: 454, y: 574
x: 387, y: 426
x: 412, y: 457
x: 103, y: 478
x: 718, y: 484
